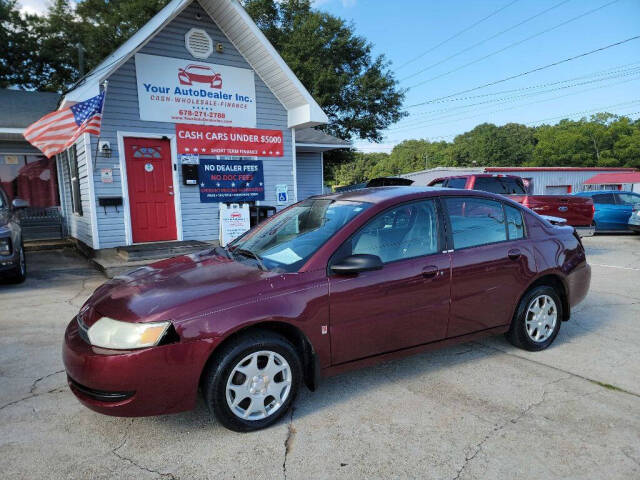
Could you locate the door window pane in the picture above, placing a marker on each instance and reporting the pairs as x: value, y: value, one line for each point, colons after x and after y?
x: 456, y: 182
x: 475, y: 221
x: 628, y: 198
x: 407, y: 231
x: 513, y: 186
x: 489, y: 184
x: 515, y: 224
x: 604, y: 198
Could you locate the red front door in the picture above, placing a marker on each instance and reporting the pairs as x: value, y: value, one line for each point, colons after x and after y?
x: 150, y: 183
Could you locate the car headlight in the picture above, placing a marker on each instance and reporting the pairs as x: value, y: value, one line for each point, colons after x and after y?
x: 5, y: 246
x: 110, y: 333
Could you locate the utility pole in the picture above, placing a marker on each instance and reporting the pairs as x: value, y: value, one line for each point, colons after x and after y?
x: 426, y: 161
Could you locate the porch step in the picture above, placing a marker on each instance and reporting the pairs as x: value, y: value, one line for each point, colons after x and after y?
x: 40, y: 245
x: 155, y: 251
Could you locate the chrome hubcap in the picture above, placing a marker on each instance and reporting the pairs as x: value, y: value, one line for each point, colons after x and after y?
x: 258, y: 385
x: 541, y: 319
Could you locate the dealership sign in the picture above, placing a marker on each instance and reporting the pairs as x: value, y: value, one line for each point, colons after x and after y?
x: 230, y: 180
x: 182, y: 91
x: 227, y: 141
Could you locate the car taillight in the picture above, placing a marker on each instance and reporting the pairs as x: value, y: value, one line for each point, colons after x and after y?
x: 525, y: 202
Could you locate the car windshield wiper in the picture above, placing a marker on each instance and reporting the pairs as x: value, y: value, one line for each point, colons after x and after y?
x: 249, y: 253
x: 226, y: 251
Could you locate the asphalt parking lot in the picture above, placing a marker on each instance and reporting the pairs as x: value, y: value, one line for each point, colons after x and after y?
x: 479, y: 410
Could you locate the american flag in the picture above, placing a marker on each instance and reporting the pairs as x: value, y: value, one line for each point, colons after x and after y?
x: 57, y: 131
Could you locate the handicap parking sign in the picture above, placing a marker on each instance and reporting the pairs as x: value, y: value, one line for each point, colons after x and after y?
x: 282, y: 195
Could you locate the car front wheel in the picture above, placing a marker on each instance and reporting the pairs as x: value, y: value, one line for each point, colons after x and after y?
x: 20, y: 271
x: 253, y: 381
x: 537, y: 320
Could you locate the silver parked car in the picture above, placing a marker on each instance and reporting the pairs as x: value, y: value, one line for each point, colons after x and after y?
x: 634, y: 219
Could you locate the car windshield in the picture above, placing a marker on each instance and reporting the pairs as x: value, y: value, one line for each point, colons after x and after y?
x: 288, y: 240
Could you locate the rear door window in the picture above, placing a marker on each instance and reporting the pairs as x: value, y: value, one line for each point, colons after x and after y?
x: 515, y: 223
x: 604, y: 199
x: 489, y: 184
x: 475, y: 221
x: 456, y: 183
x: 628, y: 198
x: 513, y: 186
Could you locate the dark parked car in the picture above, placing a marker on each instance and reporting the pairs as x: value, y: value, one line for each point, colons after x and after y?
x: 329, y: 284
x: 613, y: 209
x: 12, y: 261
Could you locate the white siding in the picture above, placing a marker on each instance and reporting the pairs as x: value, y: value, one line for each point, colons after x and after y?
x: 309, y: 168
x: 77, y: 226
x: 199, y: 220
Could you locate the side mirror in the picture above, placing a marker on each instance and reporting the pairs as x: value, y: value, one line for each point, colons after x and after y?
x: 353, y: 264
x: 19, y: 203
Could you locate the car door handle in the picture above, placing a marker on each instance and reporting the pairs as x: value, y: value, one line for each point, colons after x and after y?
x: 514, y: 254
x: 430, y: 271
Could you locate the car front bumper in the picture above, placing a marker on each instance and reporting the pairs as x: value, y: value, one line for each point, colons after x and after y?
x: 586, y: 231
x: 135, y: 383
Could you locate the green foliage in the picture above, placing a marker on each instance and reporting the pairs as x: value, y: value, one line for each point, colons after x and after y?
x: 604, y: 140
x: 357, y: 91
x: 43, y: 51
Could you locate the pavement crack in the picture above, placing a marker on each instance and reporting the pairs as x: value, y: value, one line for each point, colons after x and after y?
x: 558, y: 369
x: 131, y: 461
x: 37, y: 380
x: 32, y: 395
x: 288, y: 443
x: 498, y: 428
x: 83, y: 286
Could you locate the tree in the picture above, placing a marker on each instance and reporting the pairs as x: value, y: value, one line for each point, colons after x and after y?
x: 15, y: 41
x: 487, y: 144
x: 357, y: 91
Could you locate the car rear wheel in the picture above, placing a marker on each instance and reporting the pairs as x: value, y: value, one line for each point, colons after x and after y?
x: 537, y: 320
x: 253, y: 381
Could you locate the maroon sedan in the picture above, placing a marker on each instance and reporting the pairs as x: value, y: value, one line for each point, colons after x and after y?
x: 329, y: 284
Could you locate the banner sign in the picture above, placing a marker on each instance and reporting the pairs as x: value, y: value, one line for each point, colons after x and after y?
x: 231, y: 181
x: 176, y: 90
x: 234, y: 221
x: 239, y: 142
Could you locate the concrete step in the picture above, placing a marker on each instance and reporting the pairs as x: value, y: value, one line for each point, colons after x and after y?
x: 155, y: 251
x: 40, y: 245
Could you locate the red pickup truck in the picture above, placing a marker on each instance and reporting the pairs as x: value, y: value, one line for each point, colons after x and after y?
x: 573, y: 209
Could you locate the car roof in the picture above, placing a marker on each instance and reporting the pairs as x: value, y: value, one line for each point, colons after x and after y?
x: 596, y: 192
x: 394, y: 194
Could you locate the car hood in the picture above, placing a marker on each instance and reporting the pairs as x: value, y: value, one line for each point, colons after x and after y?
x: 175, y: 289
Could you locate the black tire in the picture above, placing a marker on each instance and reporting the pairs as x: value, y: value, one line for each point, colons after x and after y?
x: 518, y: 335
x: 19, y: 275
x: 221, y: 366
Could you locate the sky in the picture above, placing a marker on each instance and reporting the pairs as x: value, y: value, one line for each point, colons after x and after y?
x: 440, y: 48
x: 490, y: 45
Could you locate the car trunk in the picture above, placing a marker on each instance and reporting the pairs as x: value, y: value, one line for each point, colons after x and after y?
x: 577, y: 211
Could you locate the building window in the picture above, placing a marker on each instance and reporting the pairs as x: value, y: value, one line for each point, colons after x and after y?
x: 30, y: 177
x: 74, y: 179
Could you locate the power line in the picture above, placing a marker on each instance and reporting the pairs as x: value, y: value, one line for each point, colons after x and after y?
x: 477, y: 44
x: 519, y: 42
x: 604, y: 72
x: 438, y: 120
x: 624, y: 73
x: 568, y: 115
x: 457, y: 34
x: 544, y: 67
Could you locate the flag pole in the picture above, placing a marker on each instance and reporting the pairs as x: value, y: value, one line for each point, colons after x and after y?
x: 105, y: 84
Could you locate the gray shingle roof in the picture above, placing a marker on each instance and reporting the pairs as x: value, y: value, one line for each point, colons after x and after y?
x: 19, y: 108
x: 318, y: 137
